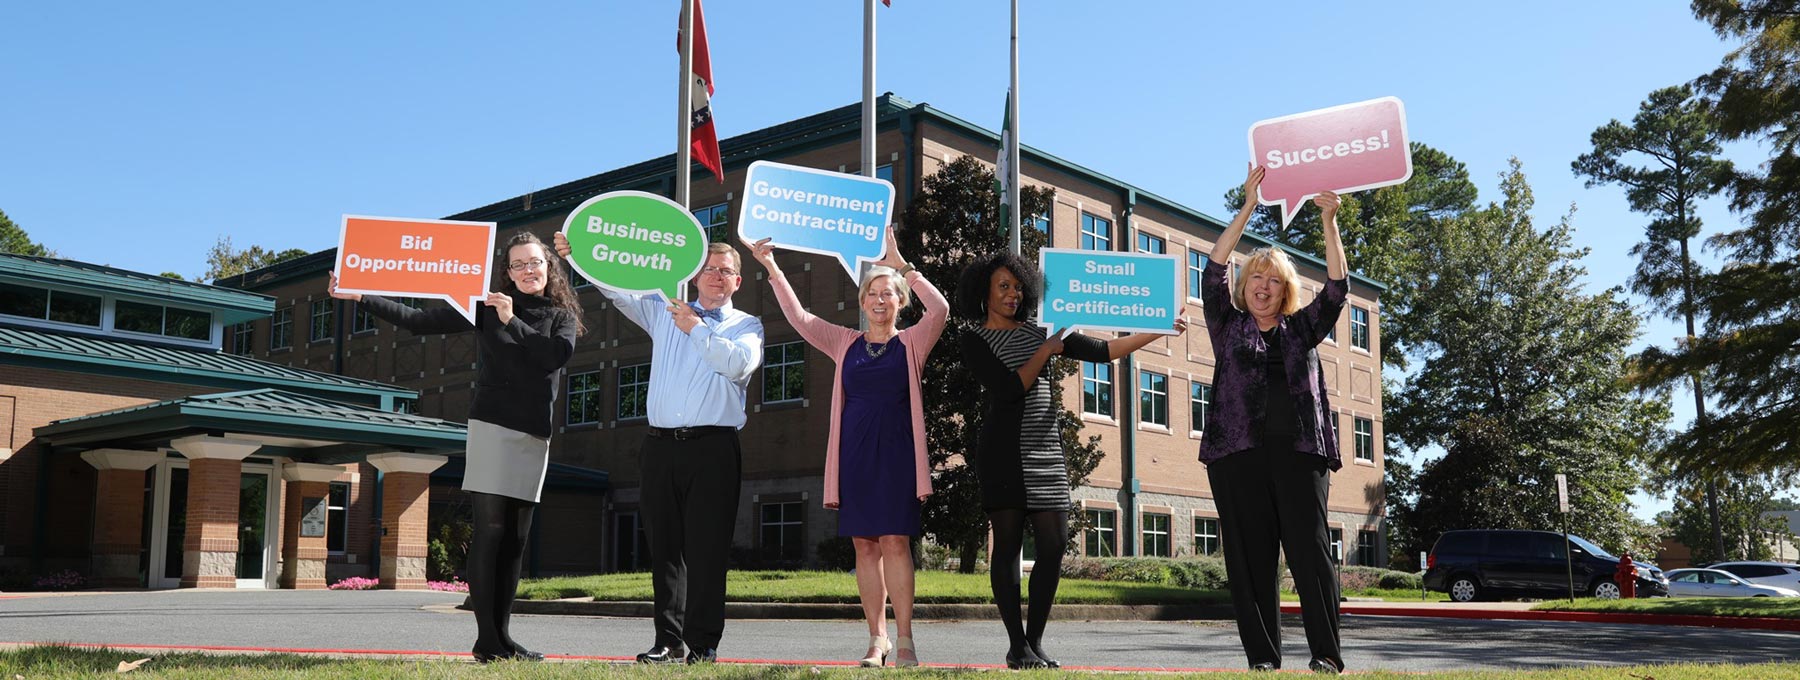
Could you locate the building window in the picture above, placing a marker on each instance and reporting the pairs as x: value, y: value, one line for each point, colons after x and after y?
x: 1151, y: 244
x: 634, y: 391
x: 1153, y: 398
x: 1359, y: 327
x: 138, y: 317
x: 715, y: 219
x: 1196, y: 266
x: 782, y: 535
x: 337, y: 518
x: 1337, y: 546
x: 361, y: 321
x: 1097, y: 540
x: 321, y: 320
x: 1206, y: 536
x: 1096, y: 389
x: 1365, y: 439
x: 1096, y: 233
x: 406, y: 405
x: 885, y: 172
x: 784, y: 373
x: 1336, y: 418
x: 241, y: 336
x: 50, y: 305
x: 1041, y: 223
x: 584, y: 398
x: 281, y: 329
x: 1156, y: 535
x: 1365, y: 548
x: 1200, y: 396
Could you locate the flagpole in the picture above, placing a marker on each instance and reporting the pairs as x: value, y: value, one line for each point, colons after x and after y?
x: 685, y: 103
x: 868, y: 108
x: 1013, y: 190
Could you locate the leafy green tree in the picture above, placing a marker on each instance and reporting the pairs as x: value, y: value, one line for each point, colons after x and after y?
x: 1748, y: 534
x: 1750, y: 347
x: 13, y: 239
x: 224, y: 261
x: 1675, y: 138
x: 1519, y: 378
x: 948, y: 224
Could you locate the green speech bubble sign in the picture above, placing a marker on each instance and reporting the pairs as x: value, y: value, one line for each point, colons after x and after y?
x: 635, y: 242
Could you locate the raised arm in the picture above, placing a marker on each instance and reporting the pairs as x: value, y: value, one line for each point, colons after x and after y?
x: 814, y: 330
x: 639, y: 309
x: 421, y: 321
x: 1118, y: 347
x: 1336, y: 268
x: 1221, y: 252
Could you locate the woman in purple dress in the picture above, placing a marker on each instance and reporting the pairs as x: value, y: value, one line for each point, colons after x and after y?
x: 876, y: 472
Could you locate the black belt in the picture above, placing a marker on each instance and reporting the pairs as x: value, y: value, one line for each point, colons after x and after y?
x: 682, y: 434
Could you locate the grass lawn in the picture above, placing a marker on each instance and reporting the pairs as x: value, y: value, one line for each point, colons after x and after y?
x: 55, y: 663
x: 1770, y: 607
x: 933, y: 587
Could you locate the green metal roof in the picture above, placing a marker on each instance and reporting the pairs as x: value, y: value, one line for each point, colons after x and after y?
x: 232, y: 306
x: 360, y: 430
x: 109, y: 356
x: 828, y: 127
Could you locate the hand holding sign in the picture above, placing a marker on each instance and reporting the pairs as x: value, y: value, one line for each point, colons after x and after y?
x: 438, y: 259
x: 1342, y: 148
x: 814, y: 211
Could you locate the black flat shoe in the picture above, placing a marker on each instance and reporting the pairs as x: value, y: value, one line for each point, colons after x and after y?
x: 523, y: 654
x: 708, y: 655
x: 1038, y: 649
x: 1325, y: 666
x: 1024, y: 660
x: 1264, y: 666
x: 489, y: 657
x: 661, y: 654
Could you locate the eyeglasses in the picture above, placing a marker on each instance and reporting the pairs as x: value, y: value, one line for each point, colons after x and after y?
x: 726, y: 272
x: 533, y: 263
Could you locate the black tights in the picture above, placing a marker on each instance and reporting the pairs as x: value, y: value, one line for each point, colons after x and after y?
x: 502, y: 525
x: 1051, y: 529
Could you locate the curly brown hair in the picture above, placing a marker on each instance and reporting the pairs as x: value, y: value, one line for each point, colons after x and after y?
x: 556, y: 281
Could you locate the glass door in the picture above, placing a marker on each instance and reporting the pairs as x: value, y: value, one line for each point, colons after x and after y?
x: 256, y: 541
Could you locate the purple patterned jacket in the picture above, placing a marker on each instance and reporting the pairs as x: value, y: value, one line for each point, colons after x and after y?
x: 1234, y: 423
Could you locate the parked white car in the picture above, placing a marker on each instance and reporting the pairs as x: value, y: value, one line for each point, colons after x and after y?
x: 1778, y: 574
x: 1718, y: 583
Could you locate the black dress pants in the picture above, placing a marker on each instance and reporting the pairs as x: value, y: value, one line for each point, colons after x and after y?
x: 689, y: 505
x: 1273, y: 502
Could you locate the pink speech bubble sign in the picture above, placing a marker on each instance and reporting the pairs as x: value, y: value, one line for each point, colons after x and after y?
x: 1343, y: 148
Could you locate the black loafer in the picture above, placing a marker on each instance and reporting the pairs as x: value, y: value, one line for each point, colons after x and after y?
x: 661, y: 654
x: 1024, y: 661
x: 523, y: 654
x: 1048, y: 662
x: 708, y: 655
x: 1325, y: 666
x: 1264, y: 666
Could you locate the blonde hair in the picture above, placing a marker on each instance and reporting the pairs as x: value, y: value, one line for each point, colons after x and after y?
x: 737, y: 261
x: 1263, y: 260
x: 894, y: 279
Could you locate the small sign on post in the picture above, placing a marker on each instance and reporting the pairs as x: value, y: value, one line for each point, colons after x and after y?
x: 1562, y: 503
x: 1562, y: 493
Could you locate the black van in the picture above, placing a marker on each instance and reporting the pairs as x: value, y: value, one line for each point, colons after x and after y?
x: 1477, y: 564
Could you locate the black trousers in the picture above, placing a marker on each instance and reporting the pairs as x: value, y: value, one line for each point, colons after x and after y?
x: 1273, y: 502
x: 689, y: 505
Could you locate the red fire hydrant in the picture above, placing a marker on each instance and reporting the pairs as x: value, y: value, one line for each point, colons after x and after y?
x: 1626, y: 577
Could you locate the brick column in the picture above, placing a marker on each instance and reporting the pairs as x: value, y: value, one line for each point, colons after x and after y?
x: 209, y: 551
x: 405, y: 497
x: 303, y: 557
x: 119, y: 514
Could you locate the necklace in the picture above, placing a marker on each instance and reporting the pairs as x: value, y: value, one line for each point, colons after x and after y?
x: 874, y: 353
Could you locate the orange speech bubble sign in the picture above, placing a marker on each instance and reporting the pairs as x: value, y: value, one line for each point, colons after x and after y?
x: 439, y: 259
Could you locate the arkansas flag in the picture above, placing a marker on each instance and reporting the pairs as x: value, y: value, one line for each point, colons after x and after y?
x: 705, y: 137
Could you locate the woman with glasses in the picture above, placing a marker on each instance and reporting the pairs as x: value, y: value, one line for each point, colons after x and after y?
x: 526, y: 332
x: 876, y: 472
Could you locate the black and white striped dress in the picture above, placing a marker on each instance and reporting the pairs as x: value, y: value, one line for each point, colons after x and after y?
x: 1019, y: 455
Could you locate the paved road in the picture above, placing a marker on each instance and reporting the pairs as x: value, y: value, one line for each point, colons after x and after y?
x: 423, y: 621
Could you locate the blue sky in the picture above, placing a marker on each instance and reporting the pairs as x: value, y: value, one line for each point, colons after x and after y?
x: 136, y: 134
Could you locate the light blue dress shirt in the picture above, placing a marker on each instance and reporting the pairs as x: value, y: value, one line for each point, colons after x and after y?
x: 700, y: 377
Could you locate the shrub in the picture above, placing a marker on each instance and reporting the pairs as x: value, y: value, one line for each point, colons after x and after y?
x: 448, y: 586
x: 836, y: 554
x: 1400, y: 580
x: 449, y: 550
x: 67, y: 579
x: 934, y: 557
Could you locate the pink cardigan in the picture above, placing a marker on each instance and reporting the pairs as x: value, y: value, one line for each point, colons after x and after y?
x: 835, y: 340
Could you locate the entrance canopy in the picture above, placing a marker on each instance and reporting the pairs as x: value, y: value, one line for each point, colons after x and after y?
x: 298, y: 427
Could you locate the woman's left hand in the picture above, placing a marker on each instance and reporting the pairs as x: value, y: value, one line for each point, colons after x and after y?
x: 1181, y: 325
x: 890, y: 257
x: 503, y: 306
x: 1328, y: 203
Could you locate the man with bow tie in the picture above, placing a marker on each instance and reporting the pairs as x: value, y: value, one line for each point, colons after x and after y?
x: 702, y: 356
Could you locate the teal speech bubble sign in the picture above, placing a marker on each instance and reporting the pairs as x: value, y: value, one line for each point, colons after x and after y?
x: 1107, y: 291
x: 635, y: 242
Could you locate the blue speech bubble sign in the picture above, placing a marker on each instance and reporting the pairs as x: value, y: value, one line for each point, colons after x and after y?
x: 1104, y: 291
x: 817, y: 211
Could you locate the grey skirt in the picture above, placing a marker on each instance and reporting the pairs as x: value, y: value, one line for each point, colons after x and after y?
x: 505, y: 462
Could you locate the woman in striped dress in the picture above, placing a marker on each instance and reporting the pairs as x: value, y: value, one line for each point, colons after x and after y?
x: 1019, y: 456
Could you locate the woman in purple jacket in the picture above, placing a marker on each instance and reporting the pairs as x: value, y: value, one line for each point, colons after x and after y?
x: 1268, y: 445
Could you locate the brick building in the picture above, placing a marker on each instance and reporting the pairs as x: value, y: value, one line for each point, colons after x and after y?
x: 1149, y: 496
x: 134, y: 451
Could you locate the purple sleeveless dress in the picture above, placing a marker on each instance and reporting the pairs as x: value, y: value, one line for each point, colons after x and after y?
x: 876, y: 484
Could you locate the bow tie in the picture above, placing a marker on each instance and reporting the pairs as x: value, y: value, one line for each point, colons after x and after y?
x: 705, y: 313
